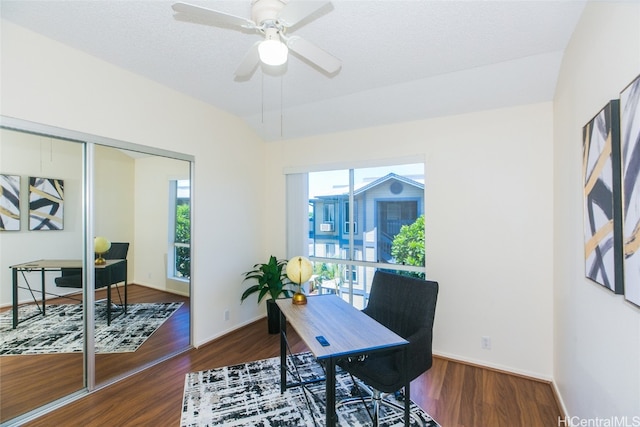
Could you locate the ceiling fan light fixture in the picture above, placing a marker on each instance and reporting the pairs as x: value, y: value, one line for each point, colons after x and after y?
x: 273, y: 52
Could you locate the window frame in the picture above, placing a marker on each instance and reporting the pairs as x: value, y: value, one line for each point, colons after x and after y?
x: 358, y: 266
x: 173, y: 247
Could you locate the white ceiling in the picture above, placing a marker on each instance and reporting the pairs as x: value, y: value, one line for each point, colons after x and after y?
x: 401, y: 60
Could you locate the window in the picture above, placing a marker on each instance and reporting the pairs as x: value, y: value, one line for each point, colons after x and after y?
x: 381, y: 216
x: 330, y: 250
x: 347, y: 218
x: 180, y: 230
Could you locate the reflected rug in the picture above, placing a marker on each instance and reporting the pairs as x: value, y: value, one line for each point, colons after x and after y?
x: 61, y: 330
x: 249, y: 395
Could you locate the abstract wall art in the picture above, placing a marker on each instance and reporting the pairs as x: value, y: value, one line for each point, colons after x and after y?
x: 9, y: 203
x: 602, y: 203
x: 630, y: 152
x: 46, y: 203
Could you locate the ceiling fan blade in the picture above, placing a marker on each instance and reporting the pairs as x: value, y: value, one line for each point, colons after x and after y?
x: 314, y: 54
x: 201, y: 15
x: 297, y: 10
x: 249, y: 62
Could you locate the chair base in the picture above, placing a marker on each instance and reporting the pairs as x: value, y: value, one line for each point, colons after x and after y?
x: 378, y: 399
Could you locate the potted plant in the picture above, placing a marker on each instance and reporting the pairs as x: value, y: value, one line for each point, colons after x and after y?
x: 271, y: 280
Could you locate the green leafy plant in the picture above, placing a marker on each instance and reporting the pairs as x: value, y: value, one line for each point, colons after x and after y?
x: 272, y: 280
x: 408, y: 245
x: 183, y: 235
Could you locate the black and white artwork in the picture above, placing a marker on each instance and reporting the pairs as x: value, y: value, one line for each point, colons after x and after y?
x: 46, y: 203
x: 9, y: 203
x: 630, y: 146
x: 602, y: 202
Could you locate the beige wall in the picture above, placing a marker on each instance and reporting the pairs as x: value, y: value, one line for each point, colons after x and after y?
x: 28, y: 155
x: 597, y: 334
x: 488, y: 223
x: 46, y: 82
x: 152, y: 177
x: 114, y: 199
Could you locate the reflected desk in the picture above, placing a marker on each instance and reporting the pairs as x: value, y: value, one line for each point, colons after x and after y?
x: 350, y: 333
x: 113, y: 272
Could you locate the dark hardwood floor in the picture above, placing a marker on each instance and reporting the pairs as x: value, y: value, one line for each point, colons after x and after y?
x: 455, y: 394
x: 30, y: 381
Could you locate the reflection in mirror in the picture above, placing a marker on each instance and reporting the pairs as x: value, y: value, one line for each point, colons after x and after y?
x: 42, y: 358
x: 141, y: 206
x: 138, y: 201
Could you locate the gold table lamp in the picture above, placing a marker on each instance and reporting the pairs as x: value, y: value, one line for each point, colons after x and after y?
x: 101, y: 245
x: 299, y: 270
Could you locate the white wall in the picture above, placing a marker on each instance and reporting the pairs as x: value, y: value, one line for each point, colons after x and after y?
x: 597, y: 334
x: 46, y: 82
x: 152, y: 178
x: 488, y: 223
x: 28, y: 155
x: 114, y: 199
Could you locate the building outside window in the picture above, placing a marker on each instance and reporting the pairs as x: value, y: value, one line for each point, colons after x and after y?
x: 379, y: 225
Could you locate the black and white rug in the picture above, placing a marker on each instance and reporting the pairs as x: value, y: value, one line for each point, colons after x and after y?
x: 249, y: 395
x: 61, y: 330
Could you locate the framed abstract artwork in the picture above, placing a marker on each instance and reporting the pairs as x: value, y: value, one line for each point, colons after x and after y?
x: 46, y: 203
x: 9, y: 203
x: 630, y: 153
x: 602, y: 202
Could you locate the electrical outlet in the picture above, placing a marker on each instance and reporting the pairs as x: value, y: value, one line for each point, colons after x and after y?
x: 485, y: 343
x: 226, y: 315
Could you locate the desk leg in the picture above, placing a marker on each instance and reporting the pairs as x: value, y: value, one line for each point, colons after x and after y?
x: 14, y: 274
x: 330, y: 389
x: 407, y: 388
x: 44, y: 295
x: 283, y: 353
x: 125, y: 294
x: 108, y: 304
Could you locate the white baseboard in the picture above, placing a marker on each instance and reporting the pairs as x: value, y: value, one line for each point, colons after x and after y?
x: 496, y: 366
x: 559, y: 399
x: 167, y: 290
x: 227, y: 331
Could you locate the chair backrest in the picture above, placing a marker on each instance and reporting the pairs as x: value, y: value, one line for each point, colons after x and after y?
x: 403, y: 304
x: 118, y: 250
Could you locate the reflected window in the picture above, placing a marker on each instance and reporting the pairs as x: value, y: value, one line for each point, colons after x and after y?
x: 180, y: 229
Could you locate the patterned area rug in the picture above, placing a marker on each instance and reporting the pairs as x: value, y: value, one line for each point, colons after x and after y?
x: 249, y: 395
x: 60, y: 331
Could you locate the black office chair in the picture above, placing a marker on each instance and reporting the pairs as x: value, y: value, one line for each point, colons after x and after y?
x: 407, y: 306
x: 72, y: 277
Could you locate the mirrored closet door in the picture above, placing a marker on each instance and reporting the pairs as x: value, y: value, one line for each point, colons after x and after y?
x: 42, y: 224
x: 142, y: 206
x: 129, y: 204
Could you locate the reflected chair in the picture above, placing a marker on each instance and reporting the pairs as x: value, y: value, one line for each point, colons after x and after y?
x: 406, y: 305
x: 72, y: 277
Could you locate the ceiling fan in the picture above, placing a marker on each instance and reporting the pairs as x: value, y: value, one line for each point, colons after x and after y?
x: 272, y: 18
